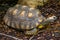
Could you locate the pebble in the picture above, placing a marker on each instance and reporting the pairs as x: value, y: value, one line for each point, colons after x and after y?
x: 51, y: 39
x: 57, y: 34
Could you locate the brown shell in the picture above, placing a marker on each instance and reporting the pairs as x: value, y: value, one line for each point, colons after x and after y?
x: 23, y: 17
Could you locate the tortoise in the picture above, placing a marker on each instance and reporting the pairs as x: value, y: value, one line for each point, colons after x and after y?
x: 26, y: 18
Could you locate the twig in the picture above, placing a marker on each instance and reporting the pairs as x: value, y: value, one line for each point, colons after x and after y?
x: 10, y: 36
x: 31, y: 37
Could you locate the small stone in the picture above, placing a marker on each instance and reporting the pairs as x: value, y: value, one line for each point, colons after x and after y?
x: 52, y: 34
x: 51, y: 39
x: 57, y: 34
x: 20, y: 39
x: 39, y: 38
x: 0, y: 25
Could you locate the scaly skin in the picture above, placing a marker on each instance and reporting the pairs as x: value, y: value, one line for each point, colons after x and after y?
x: 32, y: 32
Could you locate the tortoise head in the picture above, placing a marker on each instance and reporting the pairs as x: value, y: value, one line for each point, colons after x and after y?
x: 49, y: 19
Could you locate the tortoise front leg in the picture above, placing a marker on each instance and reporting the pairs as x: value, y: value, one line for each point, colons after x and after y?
x: 32, y: 32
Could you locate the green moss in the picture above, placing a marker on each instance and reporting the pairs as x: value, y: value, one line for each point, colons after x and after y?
x: 32, y: 3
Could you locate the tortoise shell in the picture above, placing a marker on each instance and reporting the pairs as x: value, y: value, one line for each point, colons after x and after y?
x: 23, y: 17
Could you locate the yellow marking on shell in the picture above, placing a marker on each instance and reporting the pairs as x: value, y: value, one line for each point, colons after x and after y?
x: 40, y: 26
x: 27, y: 27
x: 37, y: 24
x: 15, y: 11
x: 22, y: 26
x: 31, y: 8
x: 24, y: 6
x: 32, y: 27
x: 17, y: 26
x: 40, y: 20
x: 30, y: 15
x: 22, y: 13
